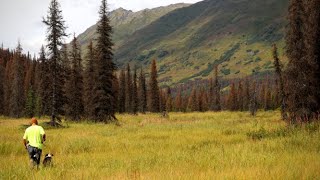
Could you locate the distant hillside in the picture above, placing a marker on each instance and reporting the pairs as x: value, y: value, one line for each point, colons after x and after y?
x: 189, y: 41
x: 126, y: 22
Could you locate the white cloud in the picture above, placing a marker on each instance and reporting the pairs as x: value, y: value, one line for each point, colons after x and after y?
x: 21, y: 19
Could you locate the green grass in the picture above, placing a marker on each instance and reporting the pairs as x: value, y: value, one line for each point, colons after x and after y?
x: 226, y: 145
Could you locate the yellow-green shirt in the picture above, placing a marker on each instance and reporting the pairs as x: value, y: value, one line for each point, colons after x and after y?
x: 33, y: 135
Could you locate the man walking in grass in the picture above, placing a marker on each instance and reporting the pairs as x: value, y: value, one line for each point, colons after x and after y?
x: 33, y: 139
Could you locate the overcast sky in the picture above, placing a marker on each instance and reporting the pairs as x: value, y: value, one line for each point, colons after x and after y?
x: 22, y: 19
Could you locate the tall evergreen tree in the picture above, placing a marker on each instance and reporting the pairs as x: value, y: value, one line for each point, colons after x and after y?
x: 154, y: 89
x: 216, y: 83
x: 122, y: 92
x: 142, y: 92
x: 43, y: 90
x: 300, y: 100
x: 163, y: 101
x: 74, y: 88
x: 211, y: 94
x: 55, y: 34
x: 240, y: 100
x: 129, y: 89
x: 202, y: 100
x: 193, y: 103
x: 104, y: 98
x: 169, y: 100
x: 30, y: 77
x: 253, y: 106
x: 116, y: 90
x: 232, y: 99
x: 268, y: 98
x: 30, y: 107
x: 179, y: 100
x: 262, y: 96
x: 135, y: 100
x: 17, y: 91
x: 7, y: 86
x: 65, y: 71
x: 278, y: 69
x: 246, y: 99
x: 312, y: 44
x: 89, y: 80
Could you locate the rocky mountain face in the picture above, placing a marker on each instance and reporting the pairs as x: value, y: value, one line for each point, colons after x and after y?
x: 188, y: 41
x: 126, y: 22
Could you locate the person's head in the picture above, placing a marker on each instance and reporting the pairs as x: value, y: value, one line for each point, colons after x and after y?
x: 34, y: 121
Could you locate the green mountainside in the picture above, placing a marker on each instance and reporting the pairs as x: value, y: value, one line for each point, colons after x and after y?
x: 189, y: 41
x: 126, y: 22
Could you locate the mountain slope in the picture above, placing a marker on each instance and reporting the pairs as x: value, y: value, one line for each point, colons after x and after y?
x: 126, y: 22
x: 188, y: 42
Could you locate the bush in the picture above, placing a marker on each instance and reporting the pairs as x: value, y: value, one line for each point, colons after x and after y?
x: 162, y: 54
x: 225, y: 71
x: 258, y: 134
x: 258, y: 59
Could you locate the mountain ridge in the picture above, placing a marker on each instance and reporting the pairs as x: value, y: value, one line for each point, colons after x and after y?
x: 189, y: 41
x: 125, y: 22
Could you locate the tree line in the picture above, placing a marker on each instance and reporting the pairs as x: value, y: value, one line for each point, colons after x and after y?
x: 26, y: 88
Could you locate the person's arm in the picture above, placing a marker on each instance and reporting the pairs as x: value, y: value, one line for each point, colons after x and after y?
x: 43, y: 138
x: 25, y: 143
x: 43, y: 135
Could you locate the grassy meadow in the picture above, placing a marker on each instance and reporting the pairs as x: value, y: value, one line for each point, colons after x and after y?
x: 225, y: 145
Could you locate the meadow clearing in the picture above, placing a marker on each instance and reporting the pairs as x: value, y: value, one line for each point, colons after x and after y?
x: 224, y: 145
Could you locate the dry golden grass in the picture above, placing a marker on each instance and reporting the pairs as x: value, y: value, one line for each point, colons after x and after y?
x: 225, y: 145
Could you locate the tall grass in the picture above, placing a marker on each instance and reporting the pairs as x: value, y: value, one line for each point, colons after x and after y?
x: 225, y: 145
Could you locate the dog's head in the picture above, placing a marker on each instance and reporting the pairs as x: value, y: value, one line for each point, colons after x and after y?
x: 49, y: 155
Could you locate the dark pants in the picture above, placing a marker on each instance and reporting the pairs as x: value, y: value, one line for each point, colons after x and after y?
x: 34, y: 154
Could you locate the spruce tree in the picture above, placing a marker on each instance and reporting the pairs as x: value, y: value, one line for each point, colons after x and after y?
x: 142, y: 92
x: 55, y: 34
x: 122, y: 92
x: 30, y: 77
x: 74, y: 86
x: 116, y: 90
x: 7, y: 86
x: 178, y: 100
x: 232, y: 99
x: 89, y: 80
x: 253, y: 100
x: 278, y: 70
x: 154, y: 89
x: 202, y: 100
x: 216, y: 83
x: 17, y: 91
x: 65, y: 71
x: 129, y: 90
x: 30, y: 107
x: 262, y: 96
x: 298, y: 67
x: 268, y: 100
x: 44, y: 92
x: 246, y: 98
x: 240, y: 99
x: 211, y: 94
x: 104, y: 98
x: 193, y: 103
x: 169, y: 100
x: 135, y: 100
x: 312, y: 44
x: 163, y: 101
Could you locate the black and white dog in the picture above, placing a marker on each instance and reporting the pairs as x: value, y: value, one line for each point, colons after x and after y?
x: 47, y: 161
